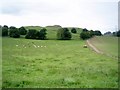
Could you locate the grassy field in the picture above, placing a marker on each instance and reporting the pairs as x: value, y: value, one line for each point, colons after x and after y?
x: 55, y: 63
x: 106, y: 44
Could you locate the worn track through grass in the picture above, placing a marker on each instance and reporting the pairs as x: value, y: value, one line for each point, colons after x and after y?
x: 93, y: 42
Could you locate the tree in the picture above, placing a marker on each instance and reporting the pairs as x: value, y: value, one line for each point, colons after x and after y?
x: 97, y: 33
x: 22, y: 31
x: 5, y: 30
x: 85, y: 30
x: 118, y: 33
x: 107, y: 33
x: 64, y: 34
x: 73, y: 30
x: 114, y: 33
x: 32, y: 34
x: 85, y: 35
x: 91, y: 33
x: 14, y: 32
x: 42, y: 34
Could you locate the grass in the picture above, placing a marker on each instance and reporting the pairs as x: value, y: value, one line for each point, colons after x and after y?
x: 106, y: 44
x: 61, y: 64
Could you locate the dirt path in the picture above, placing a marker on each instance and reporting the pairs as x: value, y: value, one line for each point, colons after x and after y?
x: 93, y: 47
x: 98, y: 51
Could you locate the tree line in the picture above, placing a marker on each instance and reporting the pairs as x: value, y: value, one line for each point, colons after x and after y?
x: 116, y: 33
x: 62, y: 33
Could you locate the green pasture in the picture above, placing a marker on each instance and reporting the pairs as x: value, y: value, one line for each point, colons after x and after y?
x: 55, y: 64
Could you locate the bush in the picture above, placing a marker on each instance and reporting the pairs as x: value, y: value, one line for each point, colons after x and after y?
x: 14, y: 32
x: 22, y: 31
x: 85, y: 30
x: 64, y: 34
x: 67, y: 35
x: 73, y: 30
x: 5, y: 30
x: 118, y: 33
x: 42, y: 34
x: 97, y: 33
x: 32, y: 34
x: 85, y: 35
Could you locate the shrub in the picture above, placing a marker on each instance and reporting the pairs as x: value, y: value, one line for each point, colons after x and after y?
x: 85, y: 35
x: 85, y: 30
x: 67, y: 35
x: 64, y: 34
x: 14, y: 32
x: 118, y: 33
x: 22, y: 31
x: 32, y: 34
x: 42, y: 34
x: 73, y: 30
x: 97, y: 33
x: 5, y: 30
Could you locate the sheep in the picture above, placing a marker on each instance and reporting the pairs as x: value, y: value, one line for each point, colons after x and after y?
x: 85, y: 46
x: 16, y: 45
x: 41, y: 46
x: 35, y: 46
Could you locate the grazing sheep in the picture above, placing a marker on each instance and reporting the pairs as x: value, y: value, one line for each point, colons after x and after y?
x: 85, y: 46
x: 16, y: 45
x: 41, y: 46
x: 35, y: 46
x: 38, y: 46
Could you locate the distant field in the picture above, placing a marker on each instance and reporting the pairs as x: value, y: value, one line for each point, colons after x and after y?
x: 106, y: 44
x: 55, y: 64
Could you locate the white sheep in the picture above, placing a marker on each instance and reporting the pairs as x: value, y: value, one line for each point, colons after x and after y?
x: 41, y: 46
x: 85, y: 46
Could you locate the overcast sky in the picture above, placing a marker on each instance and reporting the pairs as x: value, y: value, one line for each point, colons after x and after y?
x: 91, y: 14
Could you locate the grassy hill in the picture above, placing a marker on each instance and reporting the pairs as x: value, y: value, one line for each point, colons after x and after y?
x: 52, y: 31
x: 107, y: 44
x: 55, y: 64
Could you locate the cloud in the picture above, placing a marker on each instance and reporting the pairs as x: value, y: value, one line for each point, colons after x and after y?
x: 92, y: 14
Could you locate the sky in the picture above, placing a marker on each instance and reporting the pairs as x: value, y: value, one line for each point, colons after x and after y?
x: 91, y: 14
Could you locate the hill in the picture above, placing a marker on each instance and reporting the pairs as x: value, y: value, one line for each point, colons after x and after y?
x: 106, y: 44
x: 52, y: 31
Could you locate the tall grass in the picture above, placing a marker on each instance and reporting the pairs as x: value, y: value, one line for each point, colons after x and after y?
x: 63, y: 64
x: 106, y: 44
